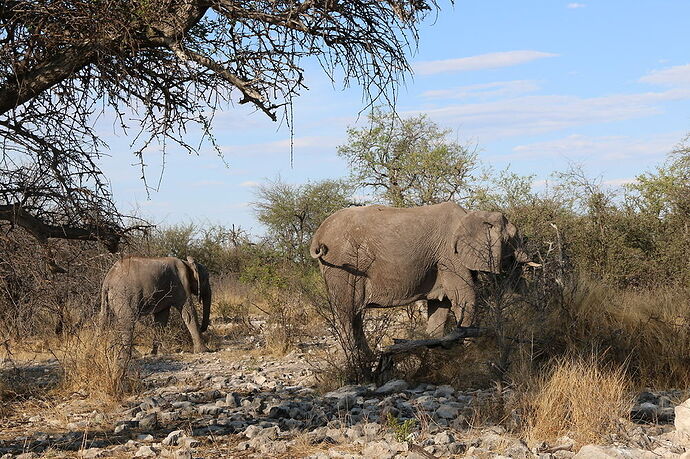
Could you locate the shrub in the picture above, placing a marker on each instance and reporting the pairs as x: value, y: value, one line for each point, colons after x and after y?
x: 580, y: 397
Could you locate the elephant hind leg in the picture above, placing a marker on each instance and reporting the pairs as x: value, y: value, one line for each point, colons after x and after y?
x: 160, y: 320
x: 124, y: 344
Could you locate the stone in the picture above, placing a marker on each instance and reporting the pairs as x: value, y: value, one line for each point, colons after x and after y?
x: 352, y: 391
x: 393, y: 386
x: 443, y: 438
x: 149, y: 421
x: 79, y: 425
x: 427, y: 402
x: 279, y: 411
x: 457, y: 448
x: 124, y: 426
x: 447, y: 412
x: 562, y: 454
x: 518, y: 451
x: 149, y: 403
x: 444, y: 391
x: 189, y: 442
x: 145, y: 437
x: 378, y: 449
x: 146, y: 451
x: 611, y: 452
x: 208, y: 409
x: 168, y: 417
x: 646, y: 412
x: 232, y: 400
x: 371, y: 429
x: 182, y: 454
x: 92, y: 453
x: 682, y: 417
x: 173, y: 438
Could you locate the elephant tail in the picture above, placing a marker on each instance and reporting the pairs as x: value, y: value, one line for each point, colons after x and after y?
x: 318, y: 250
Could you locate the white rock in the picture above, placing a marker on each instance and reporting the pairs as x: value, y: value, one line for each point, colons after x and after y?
x: 92, y: 453
x: 173, y: 437
x: 146, y: 451
x: 682, y: 419
x: 611, y: 452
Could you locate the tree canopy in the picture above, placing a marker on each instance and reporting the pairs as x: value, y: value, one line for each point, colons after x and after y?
x: 157, y: 66
x: 408, y: 161
x: 292, y: 213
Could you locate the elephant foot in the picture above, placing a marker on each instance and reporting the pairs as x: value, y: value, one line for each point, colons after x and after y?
x: 201, y: 349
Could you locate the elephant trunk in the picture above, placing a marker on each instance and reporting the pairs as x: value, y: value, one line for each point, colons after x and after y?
x: 206, y: 311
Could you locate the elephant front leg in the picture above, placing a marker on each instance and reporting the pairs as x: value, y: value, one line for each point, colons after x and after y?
x: 192, y: 322
x: 464, y: 304
x: 437, y: 315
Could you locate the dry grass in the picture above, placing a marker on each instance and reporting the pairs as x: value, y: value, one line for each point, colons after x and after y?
x: 89, y: 361
x: 579, y: 397
x: 648, y: 330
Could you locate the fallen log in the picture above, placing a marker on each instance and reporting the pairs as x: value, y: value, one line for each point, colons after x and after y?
x: 403, y: 346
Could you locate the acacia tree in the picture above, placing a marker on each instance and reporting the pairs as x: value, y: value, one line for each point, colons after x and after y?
x: 159, y: 65
x: 408, y: 161
x: 292, y: 213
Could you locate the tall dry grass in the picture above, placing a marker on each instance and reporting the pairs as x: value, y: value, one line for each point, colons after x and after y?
x: 648, y: 330
x: 579, y: 397
x: 90, y: 363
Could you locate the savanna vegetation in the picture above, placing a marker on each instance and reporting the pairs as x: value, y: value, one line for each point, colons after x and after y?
x: 609, y: 308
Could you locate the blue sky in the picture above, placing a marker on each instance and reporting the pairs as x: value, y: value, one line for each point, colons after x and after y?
x: 533, y: 84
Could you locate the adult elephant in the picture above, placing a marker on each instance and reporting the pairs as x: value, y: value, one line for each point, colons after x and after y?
x: 377, y: 256
x: 140, y: 285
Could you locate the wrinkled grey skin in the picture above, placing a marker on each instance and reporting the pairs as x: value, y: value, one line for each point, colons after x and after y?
x: 135, y: 286
x: 377, y: 256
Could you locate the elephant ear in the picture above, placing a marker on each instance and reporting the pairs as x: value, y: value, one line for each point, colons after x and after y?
x: 478, y: 241
x: 197, y: 278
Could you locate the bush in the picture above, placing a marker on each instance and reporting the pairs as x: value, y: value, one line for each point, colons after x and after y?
x: 47, y: 289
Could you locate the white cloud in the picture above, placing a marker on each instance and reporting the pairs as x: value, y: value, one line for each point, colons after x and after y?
x: 608, y: 148
x: 576, y: 5
x: 481, y: 62
x: 677, y: 76
x: 484, y: 90
x: 530, y: 115
x: 250, y: 183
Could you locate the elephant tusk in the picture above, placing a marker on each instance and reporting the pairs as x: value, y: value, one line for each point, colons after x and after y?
x: 533, y: 264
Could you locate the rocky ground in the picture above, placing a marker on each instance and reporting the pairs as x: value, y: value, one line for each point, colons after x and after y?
x: 236, y: 402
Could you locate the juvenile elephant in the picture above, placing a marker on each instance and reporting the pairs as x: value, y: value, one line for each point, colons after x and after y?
x: 137, y: 285
x: 377, y: 256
